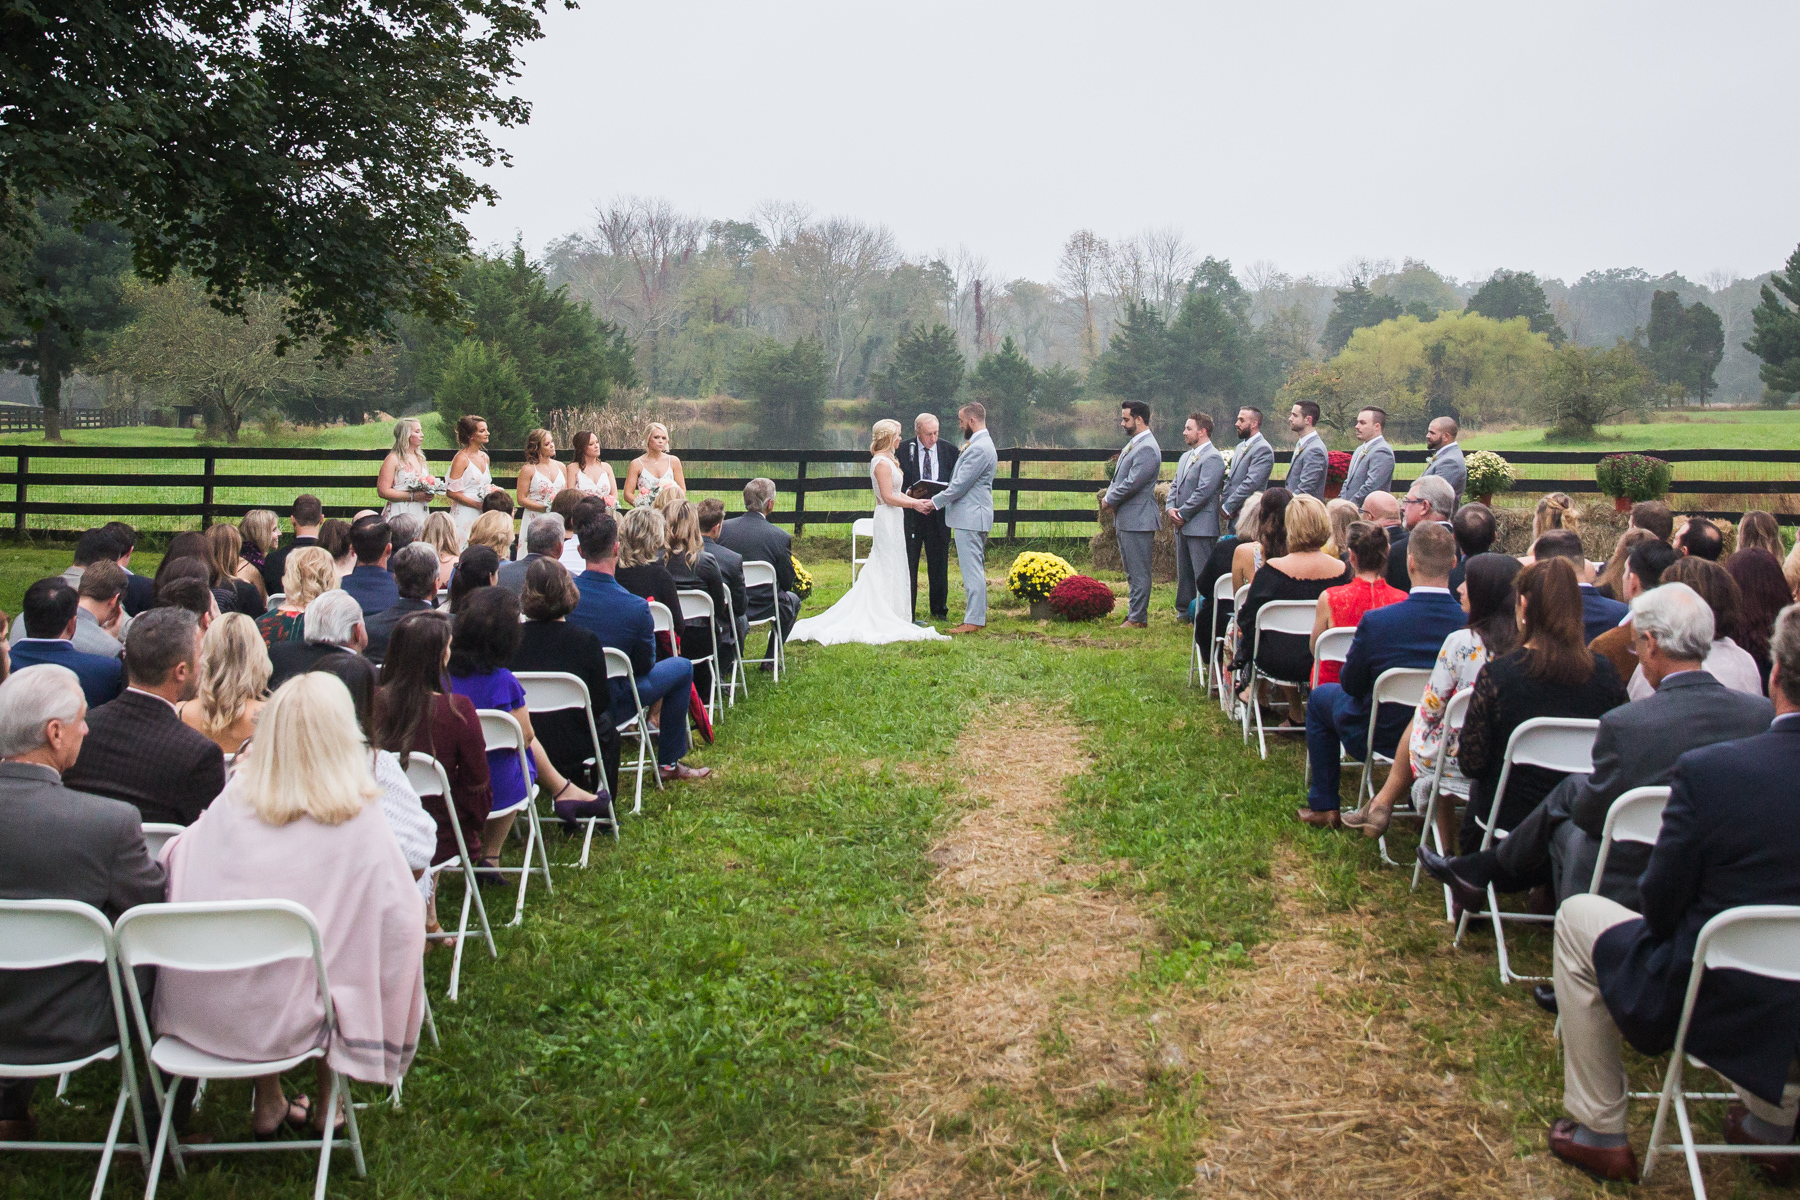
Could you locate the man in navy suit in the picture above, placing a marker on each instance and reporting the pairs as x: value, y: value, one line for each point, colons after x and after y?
x: 1730, y: 837
x: 1408, y: 634
x: 1598, y: 614
x: 371, y: 582
x: 49, y: 616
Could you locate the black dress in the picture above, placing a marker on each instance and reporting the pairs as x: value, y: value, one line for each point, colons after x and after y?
x: 1285, y: 656
x: 560, y: 646
x: 703, y: 576
x: 652, y: 581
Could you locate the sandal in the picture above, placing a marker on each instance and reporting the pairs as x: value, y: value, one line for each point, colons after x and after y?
x: 289, y: 1122
x: 1373, y: 823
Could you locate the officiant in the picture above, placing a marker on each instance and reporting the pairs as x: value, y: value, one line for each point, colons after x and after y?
x: 924, y: 456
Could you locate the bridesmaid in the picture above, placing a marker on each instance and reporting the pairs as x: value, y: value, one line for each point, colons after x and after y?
x: 469, y: 479
x: 405, y: 481
x: 654, y: 468
x: 589, y: 475
x: 539, y: 479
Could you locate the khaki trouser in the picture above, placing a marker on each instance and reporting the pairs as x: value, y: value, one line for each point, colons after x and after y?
x: 1593, y: 1066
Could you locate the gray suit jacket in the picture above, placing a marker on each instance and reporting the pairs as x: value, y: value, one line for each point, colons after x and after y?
x: 1199, y: 478
x: 1306, y: 474
x: 89, y: 637
x: 65, y: 845
x: 1250, y: 467
x: 1636, y: 746
x: 511, y: 575
x: 968, y: 503
x: 1371, y: 470
x: 1447, y: 464
x: 1133, y: 491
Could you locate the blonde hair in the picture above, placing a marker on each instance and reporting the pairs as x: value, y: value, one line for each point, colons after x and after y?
x: 309, y: 758
x: 668, y: 497
x: 234, y: 670
x: 652, y: 428
x: 885, y: 436
x: 1555, y: 511
x: 260, y: 527
x: 403, y: 430
x: 440, y: 534
x: 534, y: 445
x: 1790, y: 568
x: 1249, y: 522
x: 683, y: 519
x: 642, y: 537
x: 1342, y: 514
x: 310, y: 573
x: 1308, y: 525
x: 494, y: 530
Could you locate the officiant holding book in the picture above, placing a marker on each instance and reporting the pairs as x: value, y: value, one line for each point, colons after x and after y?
x: 927, y: 457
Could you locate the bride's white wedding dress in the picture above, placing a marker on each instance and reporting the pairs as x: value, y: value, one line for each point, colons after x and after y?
x: 878, y: 606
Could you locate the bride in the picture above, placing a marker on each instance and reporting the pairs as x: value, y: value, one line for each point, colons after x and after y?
x: 878, y: 606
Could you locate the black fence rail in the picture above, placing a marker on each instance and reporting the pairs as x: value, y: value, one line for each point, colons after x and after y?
x: 68, y: 487
x: 24, y: 419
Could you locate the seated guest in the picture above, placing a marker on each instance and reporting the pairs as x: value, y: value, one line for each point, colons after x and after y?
x: 415, y: 580
x: 415, y: 713
x: 60, y: 844
x: 141, y: 588
x: 1598, y: 614
x: 1408, y: 634
x: 370, y: 581
x: 1211, y: 617
x: 49, y: 616
x: 307, y: 516
x: 334, y: 539
x: 1303, y: 573
x: 258, y: 532
x: 643, y: 541
x: 1268, y: 539
x: 1644, y: 569
x: 1343, y: 606
x: 230, y: 573
x: 543, y: 540
x: 334, y: 628
x: 101, y: 609
x: 137, y: 748
x: 692, y: 569
x: 96, y: 546
x: 731, y: 573
x: 1475, y: 531
x: 1487, y: 595
x: 757, y: 539
x: 485, y: 638
x: 1759, y: 530
x: 234, y: 681
x: 1727, y: 662
x: 475, y: 569
x: 299, y: 822
x: 1730, y: 837
x: 1655, y: 516
x: 497, y: 501
x: 564, y: 504
x: 1551, y: 674
x: 1343, y: 514
x: 622, y: 621
x: 1381, y: 508
x: 1636, y: 746
x: 182, y: 590
x: 547, y: 642
x: 493, y: 529
x: 1611, y: 580
x: 307, y: 575
x: 1700, y: 538
x: 1761, y: 587
x: 440, y: 534
x: 403, y: 531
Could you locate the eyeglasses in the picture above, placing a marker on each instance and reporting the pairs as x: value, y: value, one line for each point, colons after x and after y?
x: 1412, y: 500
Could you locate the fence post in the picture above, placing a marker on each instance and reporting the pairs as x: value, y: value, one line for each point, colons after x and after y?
x: 1012, y: 503
x: 19, y: 492
x: 800, y: 499
x: 206, y: 493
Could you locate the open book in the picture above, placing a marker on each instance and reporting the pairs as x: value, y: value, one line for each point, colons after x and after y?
x: 926, y: 488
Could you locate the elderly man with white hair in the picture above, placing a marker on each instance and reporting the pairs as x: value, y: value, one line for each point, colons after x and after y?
x: 925, y: 456
x: 60, y: 844
x: 334, y: 626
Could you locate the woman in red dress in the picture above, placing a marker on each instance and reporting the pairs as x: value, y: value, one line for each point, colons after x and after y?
x: 1345, y: 604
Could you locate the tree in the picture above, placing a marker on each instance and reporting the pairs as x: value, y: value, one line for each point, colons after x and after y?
x: 1461, y: 364
x: 1777, y: 324
x: 1059, y: 387
x: 1585, y: 386
x: 1006, y: 384
x: 1205, y: 356
x: 484, y: 381
x: 63, y: 291
x: 926, y: 372
x: 319, y: 150
x: 324, y: 391
x: 1134, y: 364
x: 1357, y: 308
x: 1685, y: 345
x: 1509, y: 294
x: 789, y: 384
x: 1080, y: 271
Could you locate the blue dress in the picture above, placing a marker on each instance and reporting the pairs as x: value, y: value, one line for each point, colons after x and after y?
x: 499, y: 689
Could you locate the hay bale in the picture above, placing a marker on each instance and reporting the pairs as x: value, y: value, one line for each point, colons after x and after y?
x: 1601, y: 526
x: 1104, y: 545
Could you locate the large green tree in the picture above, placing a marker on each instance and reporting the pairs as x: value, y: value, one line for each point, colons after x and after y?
x: 1777, y: 337
x: 926, y: 373
x: 63, y: 289
x: 1355, y: 308
x: 1585, y: 386
x: 1134, y: 365
x: 1006, y: 384
x: 1685, y: 344
x: 1509, y: 294
x: 319, y: 148
x: 788, y: 383
x: 483, y: 379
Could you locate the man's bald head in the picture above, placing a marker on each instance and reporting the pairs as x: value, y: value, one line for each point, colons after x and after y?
x: 1382, y: 508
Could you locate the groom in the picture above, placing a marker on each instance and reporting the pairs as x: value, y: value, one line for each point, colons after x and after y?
x: 968, y: 506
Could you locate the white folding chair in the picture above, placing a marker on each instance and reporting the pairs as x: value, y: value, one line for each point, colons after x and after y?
x: 502, y: 733
x: 618, y: 666
x: 1396, y: 685
x: 1455, y: 713
x: 217, y: 936
x: 1563, y: 744
x: 1222, y: 651
x: 862, y: 527
x: 1635, y: 816
x: 758, y: 573
x: 1277, y: 616
x: 558, y: 691
x: 697, y: 605
x: 663, y: 620
x: 737, y: 677
x: 276, y: 600
x: 1333, y: 646
x: 157, y: 835
x: 1759, y: 939
x: 1206, y: 647
x: 37, y: 934
x: 426, y: 774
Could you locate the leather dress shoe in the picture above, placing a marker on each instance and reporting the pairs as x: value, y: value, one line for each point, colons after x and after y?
x: 1439, y: 867
x: 1329, y: 819
x: 965, y: 627
x: 1133, y: 625
x: 1617, y: 1164
x: 1545, y: 995
x: 1776, y: 1168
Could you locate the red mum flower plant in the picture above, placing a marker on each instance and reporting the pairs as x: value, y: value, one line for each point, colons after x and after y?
x: 1081, y: 598
x: 1337, y: 466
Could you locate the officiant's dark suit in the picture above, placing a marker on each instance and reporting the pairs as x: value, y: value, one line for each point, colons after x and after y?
x: 927, y: 531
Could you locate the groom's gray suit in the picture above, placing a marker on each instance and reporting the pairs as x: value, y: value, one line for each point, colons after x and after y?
x: 968, y: 506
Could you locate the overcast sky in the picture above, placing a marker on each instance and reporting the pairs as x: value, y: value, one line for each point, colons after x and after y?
x: 1555, y: 137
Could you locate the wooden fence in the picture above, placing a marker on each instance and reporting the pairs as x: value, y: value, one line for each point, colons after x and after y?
x: 71, y: 487
x: 19, y: 418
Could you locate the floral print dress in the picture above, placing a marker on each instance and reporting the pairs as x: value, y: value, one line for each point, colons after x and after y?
x: 1459, y: 661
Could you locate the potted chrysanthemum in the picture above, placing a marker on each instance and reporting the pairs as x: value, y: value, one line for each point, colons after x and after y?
x: 1034, y: 574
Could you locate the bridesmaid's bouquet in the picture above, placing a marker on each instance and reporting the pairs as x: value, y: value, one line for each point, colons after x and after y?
x: 407, y: 481
x: 647, y: 493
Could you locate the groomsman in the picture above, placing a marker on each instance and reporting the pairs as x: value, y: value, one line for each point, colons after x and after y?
x: 926, y: 456
x: 1194, y: 508
x: 1306, y: 474
x: 1132, y: 498
x: 1446, y: 460
x: 1372, y: 466
x: 1250, y: 464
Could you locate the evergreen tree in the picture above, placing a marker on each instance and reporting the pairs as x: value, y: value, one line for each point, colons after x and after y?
x: 1509, y: 294
x: 1777, y: 337
x: 1006, y: 384
x: 788, y: 384
x: 926, y: 373
x: 483, y: 380
x: 1134, y: 364
x: 1685, y: 345
x: 1059, y: 387
x: 1357, y: 308
x: 1205, y: 361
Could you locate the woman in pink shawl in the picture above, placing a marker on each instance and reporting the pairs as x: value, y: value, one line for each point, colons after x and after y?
x: 301, y: 820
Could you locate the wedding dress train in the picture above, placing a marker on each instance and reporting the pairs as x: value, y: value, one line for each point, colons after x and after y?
x: 878, y: 607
